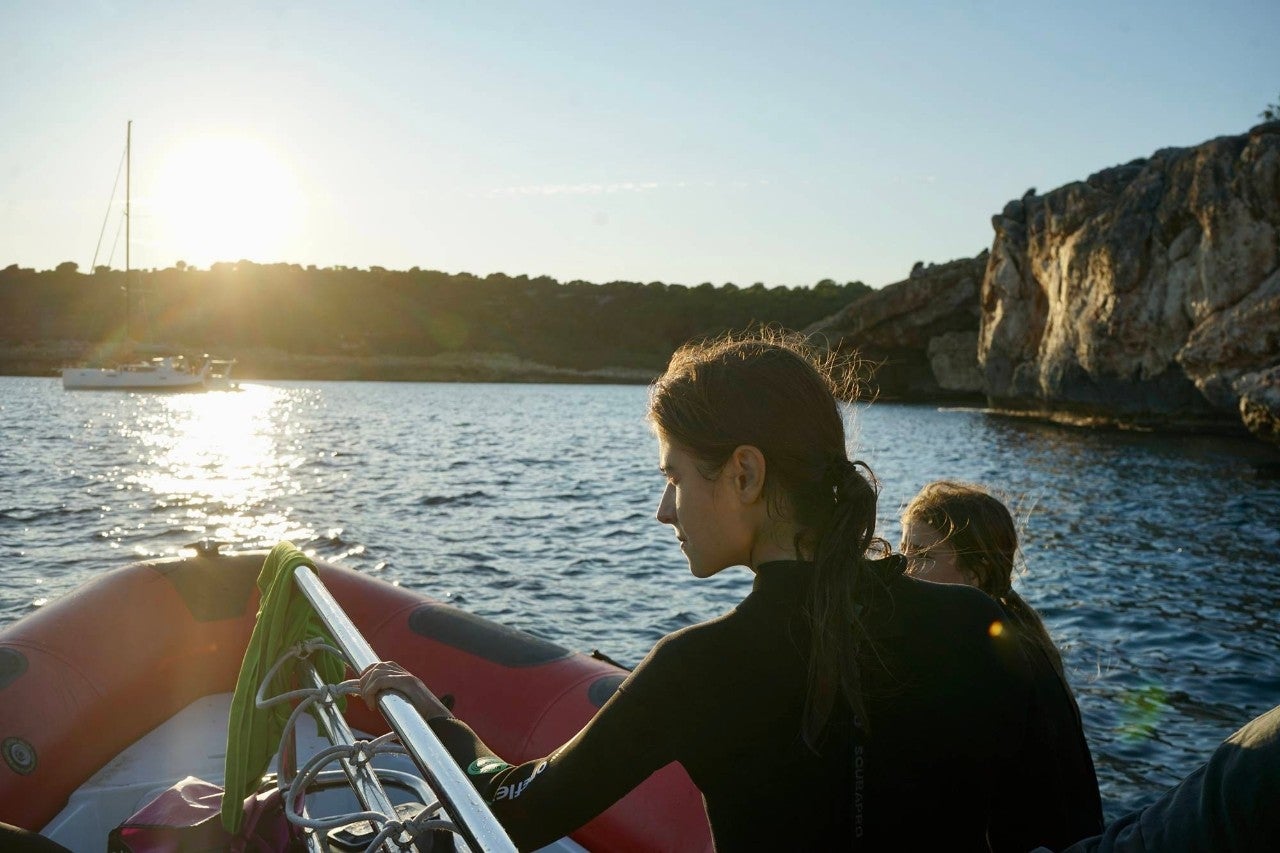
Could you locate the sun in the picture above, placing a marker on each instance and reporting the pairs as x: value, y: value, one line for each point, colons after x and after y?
x: 223, y: 198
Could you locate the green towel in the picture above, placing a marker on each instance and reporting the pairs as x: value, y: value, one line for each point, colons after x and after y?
x: 285, y: 618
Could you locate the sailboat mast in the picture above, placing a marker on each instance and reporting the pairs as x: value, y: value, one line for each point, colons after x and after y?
x: 128, y: 164
x: 128, y: 221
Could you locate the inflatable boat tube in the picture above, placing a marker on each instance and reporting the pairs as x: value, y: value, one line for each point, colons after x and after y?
x: 89, y: 674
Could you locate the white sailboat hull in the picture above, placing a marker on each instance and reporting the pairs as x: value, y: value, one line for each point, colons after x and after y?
x: 165, y: 376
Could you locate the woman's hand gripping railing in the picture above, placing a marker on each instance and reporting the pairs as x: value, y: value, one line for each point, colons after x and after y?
x: 353, y: 755
x: 470, y: 815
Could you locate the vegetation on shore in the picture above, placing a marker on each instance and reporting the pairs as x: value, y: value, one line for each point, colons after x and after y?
x: 287, y: 321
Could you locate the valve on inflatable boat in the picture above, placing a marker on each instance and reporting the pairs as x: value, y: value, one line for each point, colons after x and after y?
x: 205, y: 547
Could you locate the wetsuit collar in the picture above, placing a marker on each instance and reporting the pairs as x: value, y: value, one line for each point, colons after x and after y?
x: 788, y: 583
x: 788, y: 579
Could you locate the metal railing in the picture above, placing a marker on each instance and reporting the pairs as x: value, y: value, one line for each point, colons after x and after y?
x: 469, y: 816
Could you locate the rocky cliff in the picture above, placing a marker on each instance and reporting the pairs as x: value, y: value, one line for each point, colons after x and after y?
x: 1148, y: 294
x: 919, y: 336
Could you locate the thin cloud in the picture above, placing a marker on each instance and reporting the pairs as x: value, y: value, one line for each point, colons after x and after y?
x: 581, y: 189
x: 618, y: 187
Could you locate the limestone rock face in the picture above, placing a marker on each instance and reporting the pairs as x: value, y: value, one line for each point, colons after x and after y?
x: 1233, y: 342
x: 1260, y: 403
x: 919, y: 335
x: 953, y: 357
x: 1144, y: 294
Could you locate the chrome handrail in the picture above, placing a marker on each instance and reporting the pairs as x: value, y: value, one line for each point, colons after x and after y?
x: 363, y: 779
x: 475, y: 823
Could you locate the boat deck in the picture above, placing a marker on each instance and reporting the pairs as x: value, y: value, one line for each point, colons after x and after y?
x: 193, y: 743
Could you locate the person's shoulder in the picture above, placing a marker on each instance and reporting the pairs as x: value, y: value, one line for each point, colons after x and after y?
x: 682, y: 659
x: 961, y: 630
x: 948, y: 597
x: 702, y: 635
x: 947, y: 610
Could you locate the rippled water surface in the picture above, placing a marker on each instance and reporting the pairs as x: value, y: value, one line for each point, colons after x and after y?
x: 1154, y: 560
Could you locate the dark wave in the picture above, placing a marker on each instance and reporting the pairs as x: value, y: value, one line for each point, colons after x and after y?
x: 464, y: 499
x: 32, y: 515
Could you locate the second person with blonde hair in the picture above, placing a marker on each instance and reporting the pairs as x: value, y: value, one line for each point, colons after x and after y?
x: 959, y: 533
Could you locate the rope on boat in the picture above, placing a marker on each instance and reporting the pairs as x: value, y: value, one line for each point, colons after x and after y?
x: 403, y: 834
x: 471, y: 815
x: 93, y: 265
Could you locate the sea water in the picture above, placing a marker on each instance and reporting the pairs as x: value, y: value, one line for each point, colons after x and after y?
x: 1154, y: 560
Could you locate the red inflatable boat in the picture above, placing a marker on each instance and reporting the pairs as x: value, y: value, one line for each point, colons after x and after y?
x: 118, y: 689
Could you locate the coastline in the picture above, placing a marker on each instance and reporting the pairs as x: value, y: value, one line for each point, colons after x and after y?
x: 47, y: 360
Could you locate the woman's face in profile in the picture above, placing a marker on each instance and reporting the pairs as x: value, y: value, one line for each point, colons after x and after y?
x: 706, y: 518
x: 929, y: 555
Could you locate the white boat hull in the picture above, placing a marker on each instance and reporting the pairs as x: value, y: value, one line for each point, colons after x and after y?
x: 164, y: 374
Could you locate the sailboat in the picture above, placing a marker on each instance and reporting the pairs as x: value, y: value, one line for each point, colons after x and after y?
x: 163, y: 373
x: 160, y: 373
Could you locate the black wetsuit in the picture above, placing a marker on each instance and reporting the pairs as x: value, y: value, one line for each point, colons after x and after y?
x: 948, y: 709
x: 1228, y: 805
x: 1058, y: 788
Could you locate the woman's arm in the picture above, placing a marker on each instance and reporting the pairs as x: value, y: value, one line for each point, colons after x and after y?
x: 544, y: 799
x: 387, y: 676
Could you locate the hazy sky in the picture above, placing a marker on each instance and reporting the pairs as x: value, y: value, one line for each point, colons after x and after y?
x: 782, y: 142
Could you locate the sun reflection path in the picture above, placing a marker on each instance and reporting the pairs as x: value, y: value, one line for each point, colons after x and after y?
x: 216, y: 466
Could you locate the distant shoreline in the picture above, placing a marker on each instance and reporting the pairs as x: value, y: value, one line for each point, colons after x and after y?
x: 47, y: 360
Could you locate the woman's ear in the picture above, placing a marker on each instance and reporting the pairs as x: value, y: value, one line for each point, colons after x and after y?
x: 747, y: 469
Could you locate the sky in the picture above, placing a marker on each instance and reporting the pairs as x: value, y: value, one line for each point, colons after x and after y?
x: 743, y: 142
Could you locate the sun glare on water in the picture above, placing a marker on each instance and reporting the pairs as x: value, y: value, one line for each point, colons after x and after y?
x: 218, y: 464
x: 223, y: 198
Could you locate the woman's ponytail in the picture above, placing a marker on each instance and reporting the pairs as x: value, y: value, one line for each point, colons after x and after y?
x: 838, y: 638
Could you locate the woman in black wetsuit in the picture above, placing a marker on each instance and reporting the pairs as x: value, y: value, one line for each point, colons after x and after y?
x: 842, y: 704
x: 955, y: 532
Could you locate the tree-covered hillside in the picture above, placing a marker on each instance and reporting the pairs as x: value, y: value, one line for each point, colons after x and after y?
x: 374, y: 312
